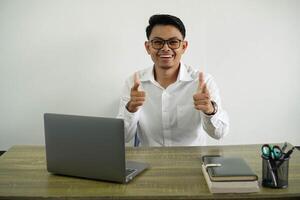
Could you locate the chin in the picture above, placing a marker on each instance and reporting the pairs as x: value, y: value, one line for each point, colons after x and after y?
x: 166, y: 65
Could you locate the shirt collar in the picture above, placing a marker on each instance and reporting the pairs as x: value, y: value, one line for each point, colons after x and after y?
x: 147, y: 74
x: 183, y: 75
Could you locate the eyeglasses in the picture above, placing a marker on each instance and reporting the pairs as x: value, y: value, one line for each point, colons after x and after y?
x: 159, y: 43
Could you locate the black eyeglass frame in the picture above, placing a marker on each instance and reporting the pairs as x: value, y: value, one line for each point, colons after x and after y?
x: 164, y: 42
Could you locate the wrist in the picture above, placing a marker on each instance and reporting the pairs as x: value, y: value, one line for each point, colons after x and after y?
x: 214, y: 110
x: 129, y: 108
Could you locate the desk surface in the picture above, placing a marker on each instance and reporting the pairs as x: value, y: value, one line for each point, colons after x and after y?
x: 175, y: 173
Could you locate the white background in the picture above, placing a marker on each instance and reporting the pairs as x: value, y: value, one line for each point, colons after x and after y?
x: 73, y: 57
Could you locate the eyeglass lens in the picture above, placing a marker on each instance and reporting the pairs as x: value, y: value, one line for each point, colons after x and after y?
x: 172, y: 44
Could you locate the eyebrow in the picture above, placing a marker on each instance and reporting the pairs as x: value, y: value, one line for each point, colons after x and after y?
x: 166, y: 39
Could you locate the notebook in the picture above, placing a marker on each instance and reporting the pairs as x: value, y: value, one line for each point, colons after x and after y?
x: 230, y: 186
x: 221, y: 168
x: 88, y: 147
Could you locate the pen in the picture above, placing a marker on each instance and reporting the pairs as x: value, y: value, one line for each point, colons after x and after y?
x: 284, y: 147
x: 287, y: 155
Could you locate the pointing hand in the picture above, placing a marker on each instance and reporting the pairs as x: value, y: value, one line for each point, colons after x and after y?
x: 201, y: 98
x: 137, y: 97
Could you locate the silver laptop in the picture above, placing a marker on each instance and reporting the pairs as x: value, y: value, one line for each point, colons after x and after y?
x: 88, y: 147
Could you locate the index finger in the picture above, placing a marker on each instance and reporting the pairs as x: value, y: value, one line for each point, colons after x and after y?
x: 201, y: 82
x: 136, y: 81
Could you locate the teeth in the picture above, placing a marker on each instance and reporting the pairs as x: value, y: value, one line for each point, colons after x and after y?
x: 165, y: 56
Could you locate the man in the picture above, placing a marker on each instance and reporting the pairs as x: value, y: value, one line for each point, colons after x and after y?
x: 171, y: 104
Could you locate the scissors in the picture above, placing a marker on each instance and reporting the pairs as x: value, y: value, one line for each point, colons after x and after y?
x: 271, y: 152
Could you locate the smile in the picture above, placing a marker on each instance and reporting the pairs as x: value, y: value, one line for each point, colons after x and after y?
x: 165, y: 56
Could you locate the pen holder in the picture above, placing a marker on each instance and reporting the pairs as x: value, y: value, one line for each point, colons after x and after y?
x: 275, y: 173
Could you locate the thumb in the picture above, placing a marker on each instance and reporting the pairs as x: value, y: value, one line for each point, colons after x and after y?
x: 201, y: 84
x: 136, y: 81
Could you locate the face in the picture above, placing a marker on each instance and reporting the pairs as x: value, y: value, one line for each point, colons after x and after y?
x: 166, y: 46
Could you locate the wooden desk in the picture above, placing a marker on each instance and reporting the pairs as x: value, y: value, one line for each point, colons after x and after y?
x: 175, y: 173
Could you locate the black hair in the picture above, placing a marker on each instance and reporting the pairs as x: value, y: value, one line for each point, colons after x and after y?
x: 165, y: 19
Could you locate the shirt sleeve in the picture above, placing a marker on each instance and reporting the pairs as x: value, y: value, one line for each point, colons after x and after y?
x: 130, y: 119
x: 217, y: 125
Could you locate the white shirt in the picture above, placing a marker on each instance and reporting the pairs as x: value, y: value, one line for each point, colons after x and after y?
x: 168, y: 116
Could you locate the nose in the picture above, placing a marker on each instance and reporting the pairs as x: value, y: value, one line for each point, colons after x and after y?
x: 165, y: 47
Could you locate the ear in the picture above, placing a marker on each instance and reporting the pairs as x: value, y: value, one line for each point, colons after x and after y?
x: 185, y: 44
x: 147, y: 47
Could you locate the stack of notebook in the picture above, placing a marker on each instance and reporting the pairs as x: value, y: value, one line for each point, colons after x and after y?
x: 229, y: 175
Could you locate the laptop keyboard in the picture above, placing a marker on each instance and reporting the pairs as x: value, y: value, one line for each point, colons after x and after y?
x: 129, y: 171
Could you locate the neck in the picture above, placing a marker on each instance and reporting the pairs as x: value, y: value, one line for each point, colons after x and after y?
x: 166, y: 77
